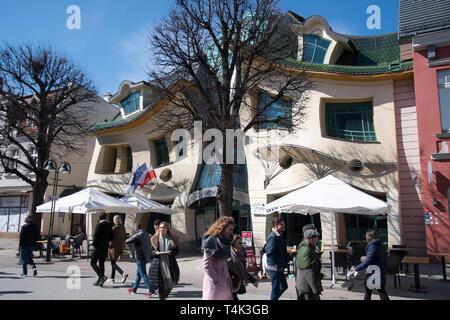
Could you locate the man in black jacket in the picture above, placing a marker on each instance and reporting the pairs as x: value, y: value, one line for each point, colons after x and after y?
x: 29, y: 234
x: 102, y: 236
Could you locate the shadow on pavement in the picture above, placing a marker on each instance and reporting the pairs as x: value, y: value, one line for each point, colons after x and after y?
x: 186, y: 294
x: 14, y: 292
x: 63, y: 277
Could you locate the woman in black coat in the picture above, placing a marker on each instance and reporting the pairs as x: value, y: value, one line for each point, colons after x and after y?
x: 164, y: 272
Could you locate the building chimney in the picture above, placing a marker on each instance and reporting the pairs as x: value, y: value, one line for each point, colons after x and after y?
x: 108, y: 96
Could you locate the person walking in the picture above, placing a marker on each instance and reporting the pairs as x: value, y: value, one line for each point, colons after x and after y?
x: 237, y: 268
x: 374, y: 256
x: 29, y: 234
x: 277, y: 258
x: 309, y: 278
x: 102, y: 236
x: 142, y: 247
x: 300, y: 294
x: 164, y: 271
x: 116, y: 247
x: 216, y: 250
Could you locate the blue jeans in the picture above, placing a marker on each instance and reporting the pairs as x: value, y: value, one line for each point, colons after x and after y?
x: 279, y: 284
x: 26, y: 257
x: 141, y: 273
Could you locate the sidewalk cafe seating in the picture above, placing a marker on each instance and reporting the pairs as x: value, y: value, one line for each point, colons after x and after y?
x: 359, y: 250
x: 342, y: 260
x: 393, y: 263
x: 400, y: 253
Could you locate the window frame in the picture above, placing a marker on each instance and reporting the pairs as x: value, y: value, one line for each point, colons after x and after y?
x: 366, y: 110
x: 287, y: 106
x: 316, y: 46
x: 442, y: 100
x: 135, y: 98
x: 159, y: 146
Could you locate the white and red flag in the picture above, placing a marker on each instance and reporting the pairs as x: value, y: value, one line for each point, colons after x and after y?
x: 148, y: 176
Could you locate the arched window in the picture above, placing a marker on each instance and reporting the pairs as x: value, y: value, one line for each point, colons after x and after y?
x: 314, y: 48
x: 131, y: 103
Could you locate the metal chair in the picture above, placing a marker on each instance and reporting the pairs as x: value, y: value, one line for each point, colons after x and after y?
x: 400, y: 253
x: 393, y: 267
x: 341, y: 260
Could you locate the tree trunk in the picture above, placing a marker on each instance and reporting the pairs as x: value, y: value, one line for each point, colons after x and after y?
x: 225, y: 191
x: 39, y: 189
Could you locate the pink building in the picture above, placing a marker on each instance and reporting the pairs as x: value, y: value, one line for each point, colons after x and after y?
x: 424, y: 160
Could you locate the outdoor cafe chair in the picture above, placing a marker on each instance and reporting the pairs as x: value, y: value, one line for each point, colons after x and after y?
x: 393, y: 267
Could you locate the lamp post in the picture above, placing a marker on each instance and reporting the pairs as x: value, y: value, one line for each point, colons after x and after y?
x: 52, y: 166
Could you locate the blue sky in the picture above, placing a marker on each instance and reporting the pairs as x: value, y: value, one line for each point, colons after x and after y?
x: 111, y: 45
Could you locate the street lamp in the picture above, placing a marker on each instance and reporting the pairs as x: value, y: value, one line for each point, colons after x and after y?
x: 52, y: 166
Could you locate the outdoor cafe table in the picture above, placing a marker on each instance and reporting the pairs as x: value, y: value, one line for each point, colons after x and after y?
x: 293, y: 253
x: 442, y: 255
x: 41, y: 248
x: 416, y: 261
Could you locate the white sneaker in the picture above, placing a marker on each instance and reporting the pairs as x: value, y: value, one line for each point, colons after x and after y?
x: 111, y: 281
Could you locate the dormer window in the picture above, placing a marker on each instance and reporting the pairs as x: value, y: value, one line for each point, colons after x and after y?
x: 314, y: 48
x: 131, y: 103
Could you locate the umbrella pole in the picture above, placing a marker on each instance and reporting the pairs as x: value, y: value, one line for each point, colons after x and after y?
x: 332, y: 250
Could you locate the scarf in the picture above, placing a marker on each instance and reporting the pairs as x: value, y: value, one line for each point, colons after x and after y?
x: 218, y: 247
x: 164, y: 245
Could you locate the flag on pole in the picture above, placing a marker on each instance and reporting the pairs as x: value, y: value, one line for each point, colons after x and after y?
x: 146, y: 177
x: 137, y: 173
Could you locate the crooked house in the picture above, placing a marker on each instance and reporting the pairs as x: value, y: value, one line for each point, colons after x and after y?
x: 350, y: 129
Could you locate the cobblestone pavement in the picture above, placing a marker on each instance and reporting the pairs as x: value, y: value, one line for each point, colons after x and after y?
x: 55, y: 280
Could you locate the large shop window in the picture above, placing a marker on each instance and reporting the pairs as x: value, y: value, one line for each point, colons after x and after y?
x: 350, y: 121
x: 131, y: 103
x: 294, y: 226
x: 281, y: 109
x: 314, y: 48
x: 13, y: 211
x: 162, y: 153
x: 356, y: 226
x: 208, y: 212
x: 209, y: 176
x: 444, y: 98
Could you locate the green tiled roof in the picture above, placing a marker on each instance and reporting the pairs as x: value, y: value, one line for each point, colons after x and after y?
x: 372, y: 54
x: 350, y: 70
x: 119, y: 121
x: 376, y: 50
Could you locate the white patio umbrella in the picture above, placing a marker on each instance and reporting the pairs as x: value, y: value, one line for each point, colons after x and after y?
x: 86, y: 201
x: 330, y: 195
x: 146, y: 205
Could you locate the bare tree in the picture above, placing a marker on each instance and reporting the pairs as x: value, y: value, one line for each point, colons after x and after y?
x: 45, y: 101
x: 224, y: 52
